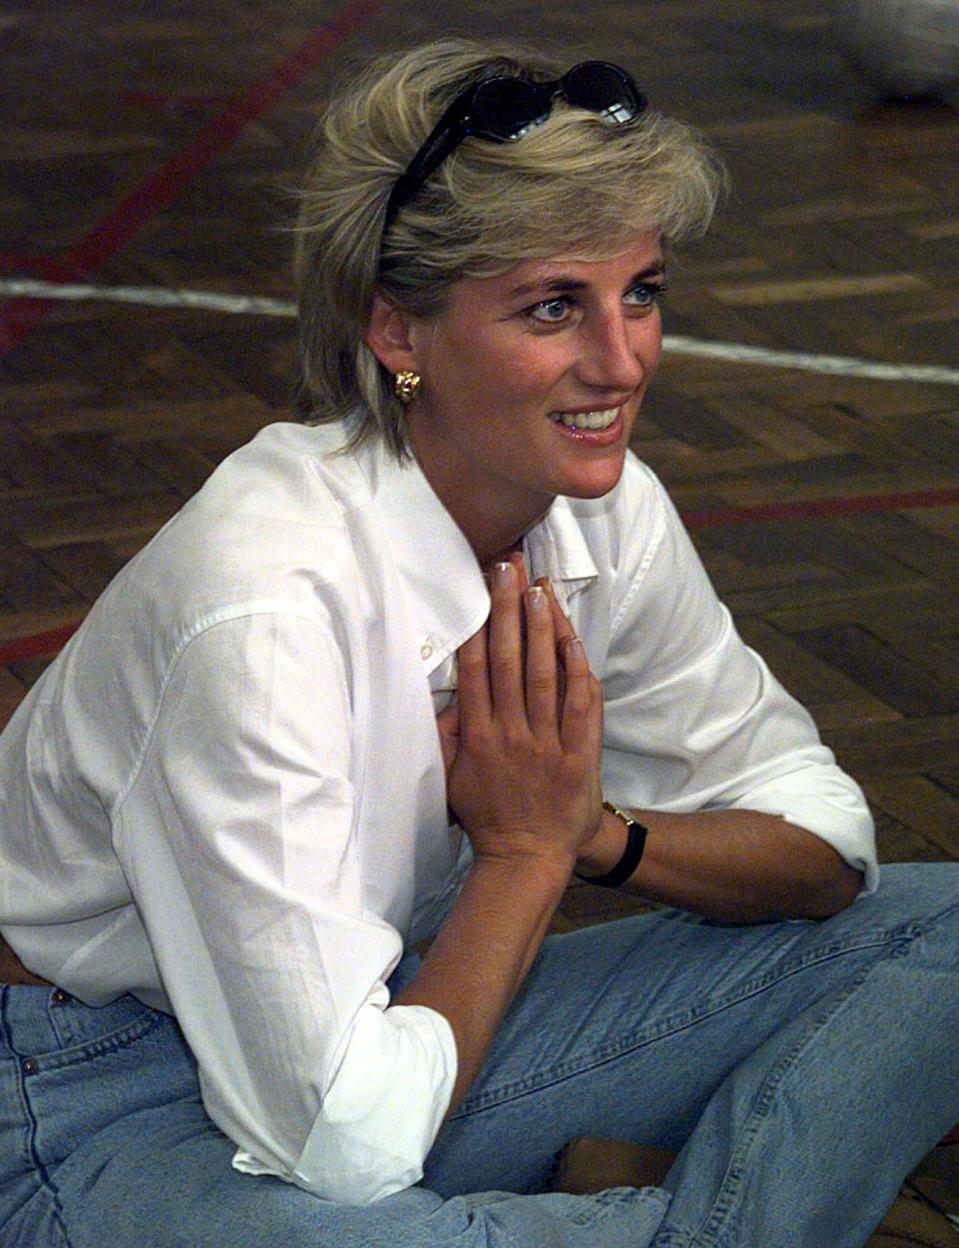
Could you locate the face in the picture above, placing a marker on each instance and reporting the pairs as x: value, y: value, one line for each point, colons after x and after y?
x: 532, y: 382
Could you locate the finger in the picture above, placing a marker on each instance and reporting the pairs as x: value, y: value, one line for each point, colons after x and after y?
x: 518, y: 562
x: 542, y: 685
x: 506, y: 646
x: 561, y: 623
x: 562, y: 629
x: 473, y: 689
x: 514, y: 557
x: 579, y: 704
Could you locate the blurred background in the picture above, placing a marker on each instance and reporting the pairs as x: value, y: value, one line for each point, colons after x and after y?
x: 806, y: 419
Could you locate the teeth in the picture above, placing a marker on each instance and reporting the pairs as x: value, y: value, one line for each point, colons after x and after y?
x: 585, y: 420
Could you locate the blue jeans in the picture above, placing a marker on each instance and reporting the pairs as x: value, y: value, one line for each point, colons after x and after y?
x: 801, y: 1068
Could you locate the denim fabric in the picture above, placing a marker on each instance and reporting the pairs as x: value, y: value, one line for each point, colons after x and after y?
x: 801, y: 1068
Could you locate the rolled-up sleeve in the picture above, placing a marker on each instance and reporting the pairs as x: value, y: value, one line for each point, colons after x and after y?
x: 237, y: 835
x: 695, y: 719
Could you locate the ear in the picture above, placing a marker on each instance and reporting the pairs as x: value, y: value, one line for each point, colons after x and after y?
x: 388, y: 335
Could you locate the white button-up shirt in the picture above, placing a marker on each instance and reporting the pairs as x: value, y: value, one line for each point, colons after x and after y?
x: 227, y: 794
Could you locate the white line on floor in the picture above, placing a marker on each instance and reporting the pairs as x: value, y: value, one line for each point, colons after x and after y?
x: 255, y: 305
x: 839, y: 365
x: 147, y: 296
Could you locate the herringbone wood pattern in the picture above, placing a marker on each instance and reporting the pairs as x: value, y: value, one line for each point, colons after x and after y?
x: 154, y: 146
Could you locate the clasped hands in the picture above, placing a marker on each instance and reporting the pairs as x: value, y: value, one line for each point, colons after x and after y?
x: 521, y: 741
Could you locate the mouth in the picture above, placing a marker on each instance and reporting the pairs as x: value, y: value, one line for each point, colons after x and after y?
x: 593, y: 421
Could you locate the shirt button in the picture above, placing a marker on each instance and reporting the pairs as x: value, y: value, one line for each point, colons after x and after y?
x: 29, y: 1066
x: 426, y: 650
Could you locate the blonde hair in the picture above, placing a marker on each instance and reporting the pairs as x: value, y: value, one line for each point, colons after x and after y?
x: 573, y: 186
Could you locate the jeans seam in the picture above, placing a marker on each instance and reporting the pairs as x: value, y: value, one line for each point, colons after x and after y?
x: 43, y: 1178
x: 560, y: 1073
x: 65, y: 1240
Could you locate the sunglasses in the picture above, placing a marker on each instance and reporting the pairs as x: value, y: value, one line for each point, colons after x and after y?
x: 503, y: 109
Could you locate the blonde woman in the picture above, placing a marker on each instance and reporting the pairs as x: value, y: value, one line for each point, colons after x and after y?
x: 387, y: 683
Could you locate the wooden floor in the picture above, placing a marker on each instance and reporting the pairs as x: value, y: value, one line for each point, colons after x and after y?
x: 152, y: 145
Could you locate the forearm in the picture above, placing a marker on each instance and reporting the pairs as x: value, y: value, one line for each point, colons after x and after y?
x: 482, y: 953
x: 738, y: 866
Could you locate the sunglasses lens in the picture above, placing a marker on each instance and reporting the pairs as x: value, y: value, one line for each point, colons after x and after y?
x: 604, y: 89
x: 503, y: 109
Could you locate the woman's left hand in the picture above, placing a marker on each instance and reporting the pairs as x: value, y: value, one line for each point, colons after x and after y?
x: 448, y: 720
x: 524, y: 775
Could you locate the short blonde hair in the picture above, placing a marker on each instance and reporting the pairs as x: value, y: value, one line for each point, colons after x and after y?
x: 573, y: 186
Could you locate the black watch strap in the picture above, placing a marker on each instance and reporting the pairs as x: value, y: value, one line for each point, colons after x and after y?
x: 635, y: 844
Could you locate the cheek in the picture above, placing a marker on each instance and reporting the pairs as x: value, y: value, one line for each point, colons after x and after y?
x: 532, y: 370
x: 649, y: 348
x: 517, y: 369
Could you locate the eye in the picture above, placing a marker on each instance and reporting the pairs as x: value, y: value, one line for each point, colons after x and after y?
x: 645, y: 295
x: 551, y: 311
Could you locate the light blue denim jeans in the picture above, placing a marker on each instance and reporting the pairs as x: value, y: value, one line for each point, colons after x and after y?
x: 801, y: 1068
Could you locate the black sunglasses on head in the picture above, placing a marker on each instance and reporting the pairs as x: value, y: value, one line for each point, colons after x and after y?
x: 503, y: 109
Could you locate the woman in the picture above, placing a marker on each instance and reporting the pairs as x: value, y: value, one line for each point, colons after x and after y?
x: 225, y: 808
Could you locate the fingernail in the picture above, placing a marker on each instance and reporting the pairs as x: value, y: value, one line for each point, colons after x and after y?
x: 574, y: 648
x: 536, y: 598
x: 502, y: 573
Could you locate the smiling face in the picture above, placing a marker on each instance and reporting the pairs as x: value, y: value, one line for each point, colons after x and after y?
x: 532, y: 381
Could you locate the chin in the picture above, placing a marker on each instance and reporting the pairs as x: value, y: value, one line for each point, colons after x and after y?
x: 583, y: 491
x: 594, y: 485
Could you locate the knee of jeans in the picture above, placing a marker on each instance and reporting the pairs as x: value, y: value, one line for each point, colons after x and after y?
x: 619, y: 1218
x: 917, y: 892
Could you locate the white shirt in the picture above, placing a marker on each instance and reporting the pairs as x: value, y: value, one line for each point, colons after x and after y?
x: 227, y: 794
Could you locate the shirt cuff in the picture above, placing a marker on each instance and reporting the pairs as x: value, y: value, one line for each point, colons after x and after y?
x: 384, y: 1108
x: 828, y: 803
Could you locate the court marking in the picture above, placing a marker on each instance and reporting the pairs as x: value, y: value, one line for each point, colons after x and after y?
x: 161, y: 187
x: 43, y: 645
x: 802, y: 509
x: 256, y: 305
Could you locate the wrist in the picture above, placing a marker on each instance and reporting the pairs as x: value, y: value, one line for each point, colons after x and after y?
x: 615, y: 852
x: 605, y: 849
x: 535, y: 865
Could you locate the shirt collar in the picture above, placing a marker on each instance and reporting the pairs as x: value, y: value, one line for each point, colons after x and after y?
x: 447, y: 596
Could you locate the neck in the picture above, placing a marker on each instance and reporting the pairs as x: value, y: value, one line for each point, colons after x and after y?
x: 494, y: 539
x: 491, y: 526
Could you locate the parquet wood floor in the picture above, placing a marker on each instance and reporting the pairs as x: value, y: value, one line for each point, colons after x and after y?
x: 153, y: 145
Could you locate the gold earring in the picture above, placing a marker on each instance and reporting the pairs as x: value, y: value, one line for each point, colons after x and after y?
x: 406, y: 386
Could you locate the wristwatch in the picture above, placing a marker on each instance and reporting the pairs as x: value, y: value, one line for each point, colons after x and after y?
x: 635, y: 844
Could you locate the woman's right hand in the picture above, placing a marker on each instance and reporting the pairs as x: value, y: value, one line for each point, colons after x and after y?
x: 525, y: 779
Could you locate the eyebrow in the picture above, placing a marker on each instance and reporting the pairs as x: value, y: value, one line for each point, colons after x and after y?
x: 561, y: 284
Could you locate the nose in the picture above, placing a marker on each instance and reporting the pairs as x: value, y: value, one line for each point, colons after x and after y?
x: 619, y: 352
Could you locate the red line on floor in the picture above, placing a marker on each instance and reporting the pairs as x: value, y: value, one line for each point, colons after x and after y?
x: 173, y: 102
x: 41, y: 645
x: 764, y: 512
x: 154, y: 194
